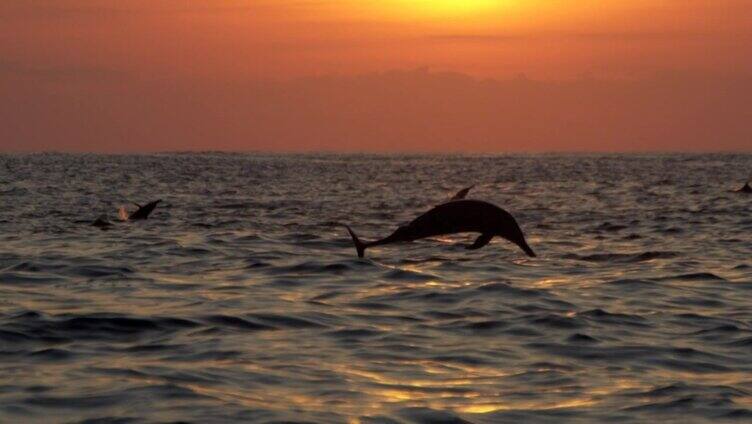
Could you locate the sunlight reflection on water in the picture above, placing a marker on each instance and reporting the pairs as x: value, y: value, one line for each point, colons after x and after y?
x: 242, y: 300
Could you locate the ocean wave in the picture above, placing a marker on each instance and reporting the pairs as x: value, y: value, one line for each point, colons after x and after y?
x: 241, y: 300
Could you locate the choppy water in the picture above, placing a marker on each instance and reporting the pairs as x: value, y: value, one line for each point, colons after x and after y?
x: 240, y: 300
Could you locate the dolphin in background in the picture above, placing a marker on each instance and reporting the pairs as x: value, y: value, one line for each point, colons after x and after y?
x: 143, y: 212
x: 102, y: 222
x: 457, y: 216
x: 745, y: 189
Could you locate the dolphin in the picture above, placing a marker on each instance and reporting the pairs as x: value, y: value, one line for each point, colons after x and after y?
x: 143, y: 211
x: 102, y: 222
x: 745, y: 189
x: 462, y: 193
x: 457, y: 216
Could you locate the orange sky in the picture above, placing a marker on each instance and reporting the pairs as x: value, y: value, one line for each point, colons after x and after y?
x: 122, y: 75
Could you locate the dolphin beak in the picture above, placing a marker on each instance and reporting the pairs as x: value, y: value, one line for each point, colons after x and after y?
x: 523, y: 245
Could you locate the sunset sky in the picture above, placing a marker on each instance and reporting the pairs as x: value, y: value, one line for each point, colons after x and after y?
x: 388, y: 75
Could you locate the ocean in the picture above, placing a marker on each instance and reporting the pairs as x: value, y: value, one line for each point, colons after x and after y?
x: 241, y: 298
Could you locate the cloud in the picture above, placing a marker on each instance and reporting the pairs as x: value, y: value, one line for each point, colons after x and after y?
x: 59, y: 73
x: 91, y: 9
x: 14, y: 10
x: 570, y: 37
x: 414, y: 110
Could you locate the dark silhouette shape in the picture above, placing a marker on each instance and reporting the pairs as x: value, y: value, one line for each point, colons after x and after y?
x: 102, y: 222
x: 462, y: 193
x: 143, y: 211
x: 745, y: 189
x: 458, y: 216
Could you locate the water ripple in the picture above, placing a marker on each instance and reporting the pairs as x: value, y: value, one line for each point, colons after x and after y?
x: 242, y: 300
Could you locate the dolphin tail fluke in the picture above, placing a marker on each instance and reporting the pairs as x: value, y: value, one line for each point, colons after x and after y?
x: 359, y: 245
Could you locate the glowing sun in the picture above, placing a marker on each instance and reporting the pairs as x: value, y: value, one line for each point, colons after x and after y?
x: 445, y: 9
x: 448, y: 7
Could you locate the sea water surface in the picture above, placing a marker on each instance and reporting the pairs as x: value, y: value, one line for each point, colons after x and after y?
x: 242, y: 300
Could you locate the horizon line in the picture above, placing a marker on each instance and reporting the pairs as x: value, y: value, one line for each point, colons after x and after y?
x: 376, y: 152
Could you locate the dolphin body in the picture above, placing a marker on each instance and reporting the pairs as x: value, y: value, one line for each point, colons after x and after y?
x: 143, y: 211
x: 457, y: 216
x: 102, y: 222
x: 745, y: 189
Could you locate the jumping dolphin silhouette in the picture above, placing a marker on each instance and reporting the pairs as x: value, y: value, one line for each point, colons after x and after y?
x: 745, y: 189
x: 458, y: 216
x: 143, y: 211
x: 462, y: 193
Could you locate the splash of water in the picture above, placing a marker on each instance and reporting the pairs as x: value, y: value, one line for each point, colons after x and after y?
x: 123, y: 214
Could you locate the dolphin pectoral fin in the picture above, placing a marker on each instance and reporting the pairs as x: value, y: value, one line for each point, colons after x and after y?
x: 481, y: 241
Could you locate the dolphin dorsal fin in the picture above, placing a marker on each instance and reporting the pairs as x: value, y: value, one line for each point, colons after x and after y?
x: 462, y: 193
